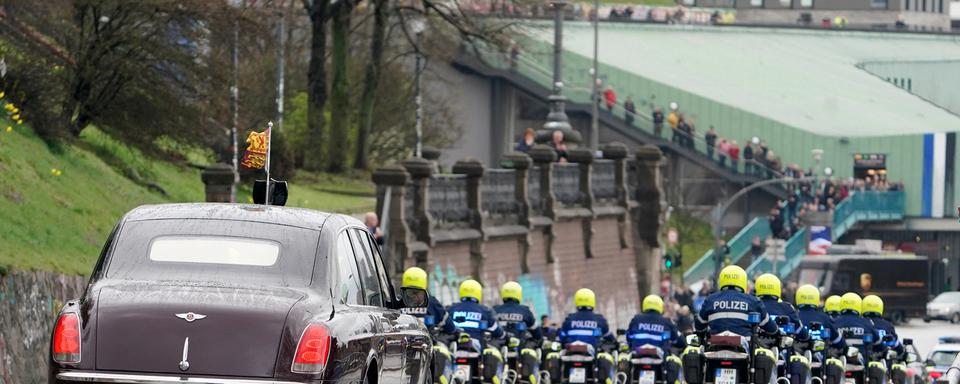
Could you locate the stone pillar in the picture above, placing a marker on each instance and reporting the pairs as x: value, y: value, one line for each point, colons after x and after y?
x: 584, y: 158
x: 473, y: 169
x: 393, y: 179
x: 521, y: 163
x: 647, y: 219
x: 618, y: 153
x: 432, y: 154
x: 420, y: 171
x: 544, y: 156
x: 218, y: 183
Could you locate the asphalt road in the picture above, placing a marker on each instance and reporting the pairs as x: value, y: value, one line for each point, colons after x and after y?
x: 925, y: 335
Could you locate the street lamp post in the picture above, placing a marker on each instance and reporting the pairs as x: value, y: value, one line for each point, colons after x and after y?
x: 721, y: 210
x: 595, y: 94
x: 557, y: 118
x: 418, y: 25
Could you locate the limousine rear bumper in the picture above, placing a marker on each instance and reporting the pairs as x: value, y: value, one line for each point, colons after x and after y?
x: 103, y: 377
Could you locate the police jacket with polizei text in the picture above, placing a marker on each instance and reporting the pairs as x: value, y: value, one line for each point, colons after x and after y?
x: 729, y: 310
x: 475, y: 319
x: 885, y: 328
x: 586, y: 326
x: 654, y: 329
x: 433, y: 316
x: 777, y: 308
x: 857, y: 331
x: 516, y: 319
x: 810, y: 314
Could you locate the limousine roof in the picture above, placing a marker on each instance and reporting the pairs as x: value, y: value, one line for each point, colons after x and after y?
x: 295, y: 217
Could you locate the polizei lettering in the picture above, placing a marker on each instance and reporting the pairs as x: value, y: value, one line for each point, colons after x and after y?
x: 475, y: 316
x: 584, y: 324
x: 414, y: 311
x: 510, y: 317
x: 734, y: 305
x: 658, y: 328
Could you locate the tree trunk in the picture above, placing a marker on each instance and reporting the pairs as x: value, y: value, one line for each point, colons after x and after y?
x: 316, y: 86
x: 371, y: 80
x: 337, y: 151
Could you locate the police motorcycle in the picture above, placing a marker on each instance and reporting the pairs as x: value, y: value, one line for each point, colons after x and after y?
x: 475, y: 364
x: 726, y: 357
x: 579, y: 363
x: 415, y: 303
x: 900, y: 372
x: 645, y: 364
x: 855, y: 369
x: 826, y: 363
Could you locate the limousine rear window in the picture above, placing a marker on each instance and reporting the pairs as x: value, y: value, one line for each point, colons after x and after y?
x: 215, y: 250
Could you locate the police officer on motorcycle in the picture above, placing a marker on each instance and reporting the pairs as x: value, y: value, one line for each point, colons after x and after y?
x: 729, y: 312
x: 831, y: 306
x: 873, y: 310
x: 768, y: 289
x: 589, y: 327
x: 860, y: 334
x: 518, y: 321
x: 433, y: 316
x: 477, y: 321
x: 808, y: 305
x: 650, y: 327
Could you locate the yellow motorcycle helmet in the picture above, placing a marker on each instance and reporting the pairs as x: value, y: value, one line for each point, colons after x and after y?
x: 733, y: 276
x: 585, y: 298
x: 767, y: 285
x: 851, y: 302
x: 832, y: 304
x: 652, y: 303
x: 471, y: 289
x: 511, y: 290
x: 808, y: 295
x: 414, y: 277
x: 872, y: 304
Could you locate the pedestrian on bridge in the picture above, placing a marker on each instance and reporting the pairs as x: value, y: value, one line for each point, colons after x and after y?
x: 630, y: 110
x: 711, y: 138
x: 748, y: 158
x: 610, y: 97
x: 658, y: 122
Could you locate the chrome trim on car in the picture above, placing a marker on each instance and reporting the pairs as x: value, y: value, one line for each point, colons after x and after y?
x: 127, y: 378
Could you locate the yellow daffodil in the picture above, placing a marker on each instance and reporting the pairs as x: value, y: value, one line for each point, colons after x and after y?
x: 20, y: 122
x: 59, y: 172
x: 15, y: 117
x: 2, y: 94
x: 9, y: 129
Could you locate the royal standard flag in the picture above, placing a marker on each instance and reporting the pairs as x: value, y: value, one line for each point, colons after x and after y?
x: 255, y: 157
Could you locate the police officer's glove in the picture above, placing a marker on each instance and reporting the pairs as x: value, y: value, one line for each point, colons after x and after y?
x: 891, y: 354
x: 786, y: 342
x: 852, y: 352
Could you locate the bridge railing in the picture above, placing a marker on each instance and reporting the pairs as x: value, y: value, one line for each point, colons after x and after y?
x: 793, y: 251
x: 534, y: 64
x: 867, y: 206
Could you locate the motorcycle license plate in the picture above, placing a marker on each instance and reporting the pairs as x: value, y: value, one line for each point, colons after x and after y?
x: 725, y: 376
x: 578, y: 375
x: 647, y: 377
x: 462, y: 371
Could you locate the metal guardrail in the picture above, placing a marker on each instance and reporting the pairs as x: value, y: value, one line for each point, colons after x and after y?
x: 793, y: 251
x: 867, y: 206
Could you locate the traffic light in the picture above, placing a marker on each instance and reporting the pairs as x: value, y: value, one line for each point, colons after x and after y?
x: 668, y: 261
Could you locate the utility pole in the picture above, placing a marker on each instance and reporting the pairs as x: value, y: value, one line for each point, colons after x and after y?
x: 594, y: 105
x: 557, y: 118
x: 281, y: 44
x: 235, y: 109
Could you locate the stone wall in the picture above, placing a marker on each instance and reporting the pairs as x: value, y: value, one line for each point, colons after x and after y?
x: 29, y: 304
x: 552, y: 228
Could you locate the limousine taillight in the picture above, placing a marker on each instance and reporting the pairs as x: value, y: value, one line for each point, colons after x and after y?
x: 66, y: 339
x: 313, y: 350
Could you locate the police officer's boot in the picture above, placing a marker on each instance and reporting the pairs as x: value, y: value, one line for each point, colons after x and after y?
x: 606, y: 369
x: 492, y: 365
x: 529, y: 366
x: 673, y: 366
x: 876, y: 372
x: 692, y: 365
x: 833, y: 371
x: 442, y: 369
x: 765, y: 366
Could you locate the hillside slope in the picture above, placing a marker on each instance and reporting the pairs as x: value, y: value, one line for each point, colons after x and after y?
x: 57, y: 206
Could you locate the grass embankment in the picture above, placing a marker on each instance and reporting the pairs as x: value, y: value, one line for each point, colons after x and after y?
x: 695, y: 238
x: 58, y: 205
